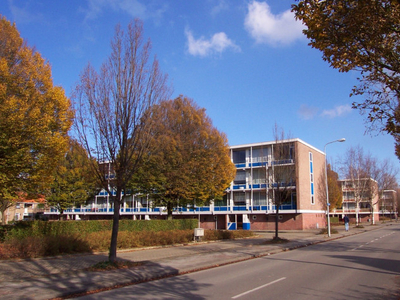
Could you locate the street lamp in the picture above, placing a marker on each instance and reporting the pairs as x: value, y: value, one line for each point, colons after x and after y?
x: 326, y: 181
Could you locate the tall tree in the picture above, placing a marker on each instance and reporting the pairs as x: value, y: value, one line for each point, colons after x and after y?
x: 384, y: 173
x: 281, y: 175
x: 362, y: 36
x: 368, y: 176
x: 112, y: 112
x: 189, y: 162
x: 355, y: 170
x: 74, y: 182
x: 35, y: 117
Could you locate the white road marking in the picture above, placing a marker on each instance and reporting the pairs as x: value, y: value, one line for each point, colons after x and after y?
x: 373, y: 241
x: 257, y: 288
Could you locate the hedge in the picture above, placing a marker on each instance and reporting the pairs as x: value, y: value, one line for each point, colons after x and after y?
x: 43, y: 228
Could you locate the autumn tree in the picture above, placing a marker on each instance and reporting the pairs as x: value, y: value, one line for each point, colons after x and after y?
x: 189, y: 161
x: 334, y: 189
x: 35, y: 117
x: 74, y: 182
x: 281, y: 175
x: 112, y: 112
x: 362, y: 36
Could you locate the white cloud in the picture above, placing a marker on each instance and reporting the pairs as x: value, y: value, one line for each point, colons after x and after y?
x: 218, y: 43
x: 338, y: 111
x: 307, y: 112
x: 267, y: 28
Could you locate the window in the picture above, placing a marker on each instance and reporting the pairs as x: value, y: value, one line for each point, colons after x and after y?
x: 259, y: 176
x: 259, y: 155
x: 240, y: 177
x: 239, y: 156
x: 259, y: 198
x: 239, y: 198
x: 312, y: 179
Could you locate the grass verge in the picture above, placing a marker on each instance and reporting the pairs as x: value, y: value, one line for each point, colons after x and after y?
x: 109, y: 266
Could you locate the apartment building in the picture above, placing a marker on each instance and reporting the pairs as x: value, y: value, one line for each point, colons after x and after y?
x: 249, y: 202
x: 360, y: 200
x: 256, y: 183
x: 388, y: 204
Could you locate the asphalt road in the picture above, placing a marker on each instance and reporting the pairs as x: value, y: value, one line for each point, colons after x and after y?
x: 364, y: 266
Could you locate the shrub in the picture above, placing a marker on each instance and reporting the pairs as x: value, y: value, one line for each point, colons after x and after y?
x: 38, y: 246
x: 41, y: 228
x: 50, y: 245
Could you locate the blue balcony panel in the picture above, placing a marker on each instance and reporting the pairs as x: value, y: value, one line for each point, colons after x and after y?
x: 240, y: 165
x: 220, y: 208
x: 239, y: 208
x: 239, y: 186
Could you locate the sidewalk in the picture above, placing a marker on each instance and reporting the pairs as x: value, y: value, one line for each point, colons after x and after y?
x: 48, y: 278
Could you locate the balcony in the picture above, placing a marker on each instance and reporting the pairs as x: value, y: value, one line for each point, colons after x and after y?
x: 198, y: 209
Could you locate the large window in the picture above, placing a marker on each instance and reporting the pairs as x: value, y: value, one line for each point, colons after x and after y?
x: 259, y: 198
x: 240, y: 177
x: 259, y: 155
x: 239, y: 156
x: 239, y: 198
x: 312, y: 179
x: 259, y: 176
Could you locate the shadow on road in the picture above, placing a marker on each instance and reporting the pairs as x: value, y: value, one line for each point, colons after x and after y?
x: 179, y: 287
x: 45, y: 284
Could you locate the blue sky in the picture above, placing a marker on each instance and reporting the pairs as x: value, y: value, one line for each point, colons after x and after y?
x: 246, y: 62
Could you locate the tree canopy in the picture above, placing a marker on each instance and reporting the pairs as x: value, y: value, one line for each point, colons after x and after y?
x: 189, y: 161
x: 35, y: 117
x: 74, y: 182
x: 362, y: 36
x: 112, y: 108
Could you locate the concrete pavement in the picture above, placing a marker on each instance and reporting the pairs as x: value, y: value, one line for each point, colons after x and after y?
x: 63, y: 276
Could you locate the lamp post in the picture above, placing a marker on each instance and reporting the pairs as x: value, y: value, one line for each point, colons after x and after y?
x: 326, y: 182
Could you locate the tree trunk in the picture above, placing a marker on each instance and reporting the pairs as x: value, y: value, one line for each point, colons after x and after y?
x: 3, y: 217
x: 114, y: 234
x: 357, y: 205
x: 170, y: 207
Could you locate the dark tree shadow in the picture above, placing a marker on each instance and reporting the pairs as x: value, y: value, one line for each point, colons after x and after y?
x: 53, y: 278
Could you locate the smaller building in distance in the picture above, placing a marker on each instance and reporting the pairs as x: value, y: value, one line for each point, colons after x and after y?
x: 388, y: 204
x: 360, y: 200
x: 25, y: 210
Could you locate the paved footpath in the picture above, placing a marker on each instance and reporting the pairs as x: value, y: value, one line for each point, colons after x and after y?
x: 63, y: 276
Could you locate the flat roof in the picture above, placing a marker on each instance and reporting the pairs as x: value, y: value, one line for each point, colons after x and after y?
x: 274, y: 142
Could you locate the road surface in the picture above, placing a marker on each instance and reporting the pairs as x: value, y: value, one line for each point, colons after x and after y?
x: 363, y: 266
